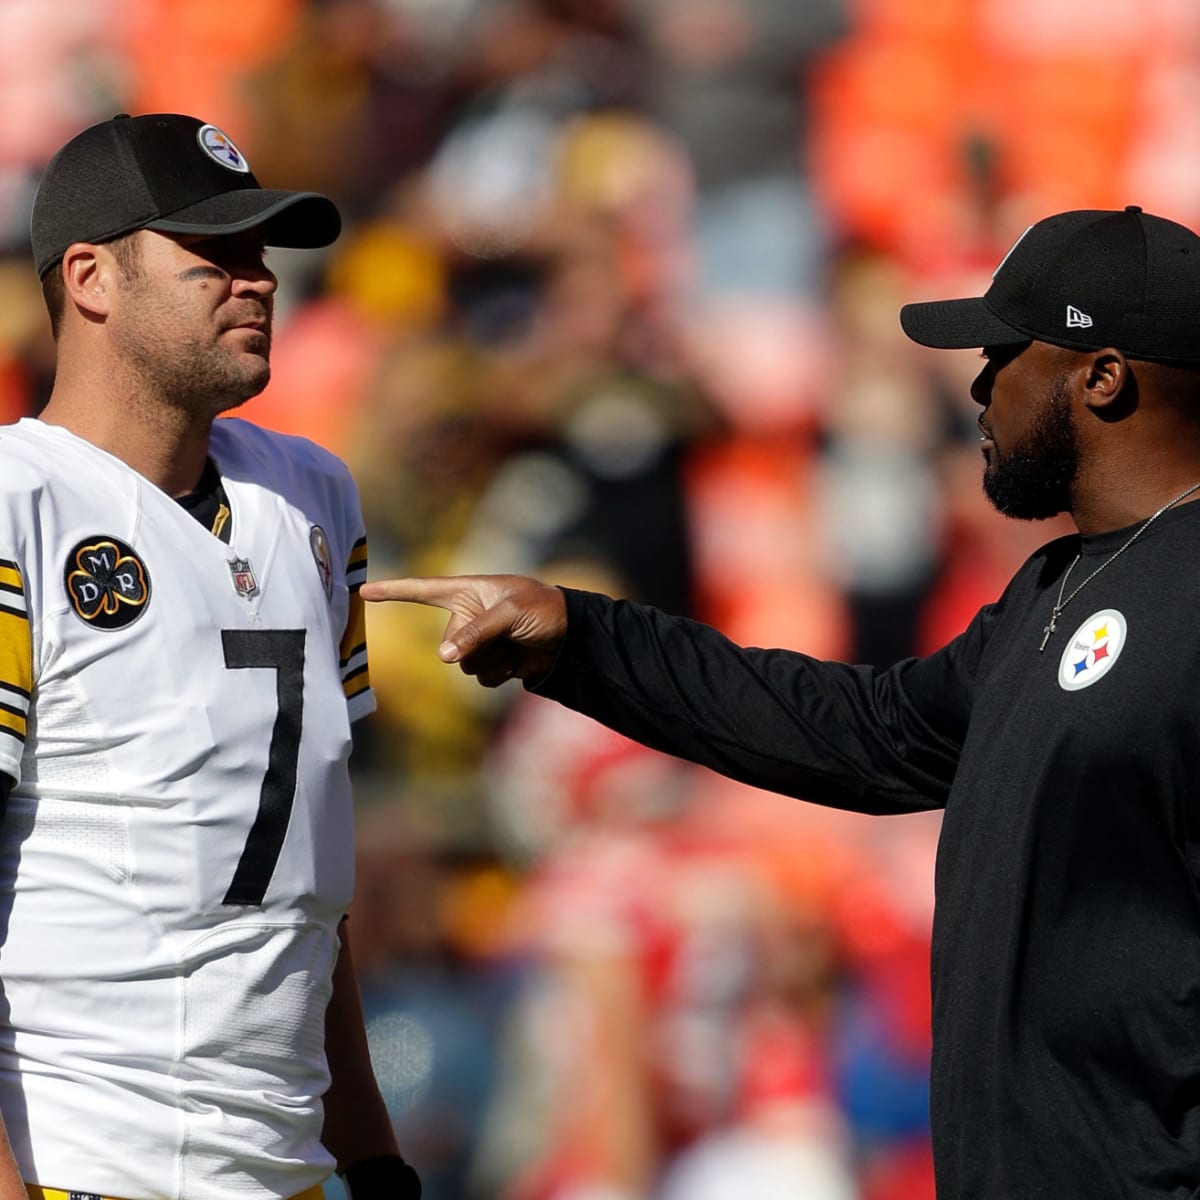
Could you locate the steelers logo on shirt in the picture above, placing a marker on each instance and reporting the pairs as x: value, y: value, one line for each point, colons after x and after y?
x: 1092, y: 650
x: 107, y: 583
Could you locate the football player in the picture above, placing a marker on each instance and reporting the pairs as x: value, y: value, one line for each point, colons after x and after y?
x: 182, y: 655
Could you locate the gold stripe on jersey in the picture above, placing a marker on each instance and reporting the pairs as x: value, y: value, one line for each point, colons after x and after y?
x: 220, y: 521
x: 36, y: 1192
x: 356, y: 564
x: 12, y: 594
x: 355, y: 676
x: 354, y: 637
x: 356, y: 682
x: 16, y: 654
x: 12, y: 602
x: 12, y: 721
x: 353, y: 649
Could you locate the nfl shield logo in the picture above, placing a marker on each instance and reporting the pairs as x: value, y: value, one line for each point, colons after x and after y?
x: 243, y: 577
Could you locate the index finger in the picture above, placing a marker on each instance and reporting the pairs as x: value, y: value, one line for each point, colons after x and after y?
x: 438, y: 591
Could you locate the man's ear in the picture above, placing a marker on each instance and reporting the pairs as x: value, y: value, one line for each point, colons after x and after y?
x: 89, y: 275
x: 1108, y: 386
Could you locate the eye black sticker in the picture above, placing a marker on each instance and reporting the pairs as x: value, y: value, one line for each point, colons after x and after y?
x: 107, y: 583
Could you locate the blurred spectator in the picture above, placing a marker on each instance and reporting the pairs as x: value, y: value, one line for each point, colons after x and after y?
x: 729, y: 82
x: 879, y: 507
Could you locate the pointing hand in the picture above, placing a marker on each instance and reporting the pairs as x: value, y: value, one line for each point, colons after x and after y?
x: 501, y: 626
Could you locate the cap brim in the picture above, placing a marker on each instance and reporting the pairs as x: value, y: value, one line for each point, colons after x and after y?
x: 958, y: 325
x: 304, y: 220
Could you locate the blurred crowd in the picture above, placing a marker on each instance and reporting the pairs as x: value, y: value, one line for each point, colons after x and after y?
x: 616, y: 304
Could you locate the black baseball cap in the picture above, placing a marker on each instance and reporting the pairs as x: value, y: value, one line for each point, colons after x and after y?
x: 1084, y: 280
x: 168, y: 172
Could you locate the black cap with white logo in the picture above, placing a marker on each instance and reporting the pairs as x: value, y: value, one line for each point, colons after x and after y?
x: 168, y: 172
x: 1084, y: 280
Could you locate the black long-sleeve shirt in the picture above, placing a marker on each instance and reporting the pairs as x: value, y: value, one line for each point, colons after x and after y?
x: 1066, y: 949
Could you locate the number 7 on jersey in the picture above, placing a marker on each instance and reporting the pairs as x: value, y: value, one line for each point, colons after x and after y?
x: 280, y: 650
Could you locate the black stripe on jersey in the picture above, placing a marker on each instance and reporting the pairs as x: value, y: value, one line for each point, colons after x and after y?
x: 361, y: 648
x: 8, y: 562
x: 16, y: 712
x: 18, y: 691
x: 349, y: 675
x: 13, y: 610
x: 12, y: 587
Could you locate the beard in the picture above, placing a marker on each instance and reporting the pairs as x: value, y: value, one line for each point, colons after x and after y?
x: 200, y: 379
x: 202, y: 383
x: 1033, y: 481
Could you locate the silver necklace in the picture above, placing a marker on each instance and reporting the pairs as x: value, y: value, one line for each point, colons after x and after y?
x: 1060, y: 603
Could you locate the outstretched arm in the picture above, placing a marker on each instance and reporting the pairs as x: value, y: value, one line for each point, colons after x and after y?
x: 501, y: 627
x: 841, y: 735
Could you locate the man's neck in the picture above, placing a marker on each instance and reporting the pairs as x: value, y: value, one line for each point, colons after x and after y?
x: 162, y: 444
x: 1130, y: 497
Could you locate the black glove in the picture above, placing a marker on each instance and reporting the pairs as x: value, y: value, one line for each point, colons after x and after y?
x: 388, y: 1177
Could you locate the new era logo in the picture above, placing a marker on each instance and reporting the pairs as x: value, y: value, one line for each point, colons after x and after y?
x: 1077, y: 319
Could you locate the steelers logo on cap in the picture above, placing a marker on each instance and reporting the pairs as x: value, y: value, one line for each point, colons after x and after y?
x: 220, y: 148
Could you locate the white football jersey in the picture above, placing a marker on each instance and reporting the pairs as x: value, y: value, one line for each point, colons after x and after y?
x: 178, y: 850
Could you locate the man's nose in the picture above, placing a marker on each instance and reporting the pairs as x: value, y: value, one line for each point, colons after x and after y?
x: 258, y: 280
x: 981, y: 388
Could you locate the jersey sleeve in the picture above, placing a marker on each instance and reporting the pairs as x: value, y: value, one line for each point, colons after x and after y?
x: 16, y: 668
x: 322, y: 486
x: 352, y: 654
x: 845, y: 736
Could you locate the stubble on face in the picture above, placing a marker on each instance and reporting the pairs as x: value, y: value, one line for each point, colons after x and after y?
x: 1033, y: 480
x: 179, y: 348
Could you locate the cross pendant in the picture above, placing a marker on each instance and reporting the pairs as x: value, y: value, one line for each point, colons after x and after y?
x: 1049, y: 629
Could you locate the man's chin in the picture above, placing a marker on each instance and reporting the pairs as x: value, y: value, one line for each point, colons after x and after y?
x: 249, y: 386
x: 1023, y: 503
